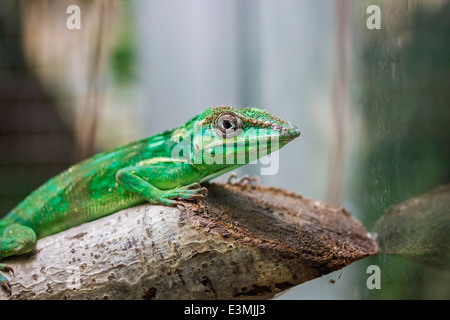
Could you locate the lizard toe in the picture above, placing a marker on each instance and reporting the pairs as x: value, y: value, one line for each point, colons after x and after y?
x: 6, y: 268
x: 5, y: 284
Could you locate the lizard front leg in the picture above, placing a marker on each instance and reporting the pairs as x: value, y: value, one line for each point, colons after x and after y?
x: 162, y: 181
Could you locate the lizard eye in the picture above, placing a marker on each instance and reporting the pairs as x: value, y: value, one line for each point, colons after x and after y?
x: 228, y: 125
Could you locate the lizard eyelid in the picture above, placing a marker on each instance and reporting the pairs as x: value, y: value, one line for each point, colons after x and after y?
x: 228, y: 125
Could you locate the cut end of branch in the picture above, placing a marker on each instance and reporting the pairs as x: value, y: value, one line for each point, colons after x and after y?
x: 325, y: 237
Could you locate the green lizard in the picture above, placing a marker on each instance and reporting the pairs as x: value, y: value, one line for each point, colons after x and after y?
x: 151, y: 169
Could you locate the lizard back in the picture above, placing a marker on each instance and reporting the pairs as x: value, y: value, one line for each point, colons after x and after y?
x: 86, y: 191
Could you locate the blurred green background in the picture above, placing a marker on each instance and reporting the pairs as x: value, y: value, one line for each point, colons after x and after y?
x: 372, y: 105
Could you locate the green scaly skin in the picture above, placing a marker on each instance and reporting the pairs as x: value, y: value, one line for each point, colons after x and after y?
x: 142, y: 171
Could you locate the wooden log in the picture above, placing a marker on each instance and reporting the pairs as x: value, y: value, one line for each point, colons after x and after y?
x: 242, y: 242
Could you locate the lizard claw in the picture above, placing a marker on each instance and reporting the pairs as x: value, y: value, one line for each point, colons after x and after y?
x: 193, y: 191
x: 6, y: 268
x: 194, y: 194
x: 202, y: 191
x: 6, y: 285
x: 244, y: 180
x: 4, y: 282
x: 194, y: 185
x: 232, y: 176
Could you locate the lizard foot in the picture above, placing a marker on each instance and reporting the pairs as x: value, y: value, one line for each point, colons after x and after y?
x: 4, y: 283
x: 193, y: 191
x: 242, y: 181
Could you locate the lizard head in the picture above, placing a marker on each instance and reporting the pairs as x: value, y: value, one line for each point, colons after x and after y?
x: 225, y: 135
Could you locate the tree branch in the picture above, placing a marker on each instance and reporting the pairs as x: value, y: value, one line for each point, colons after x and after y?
x: 242, y: 242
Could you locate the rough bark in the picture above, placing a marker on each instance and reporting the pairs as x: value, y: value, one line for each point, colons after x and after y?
x: 242, y: 242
